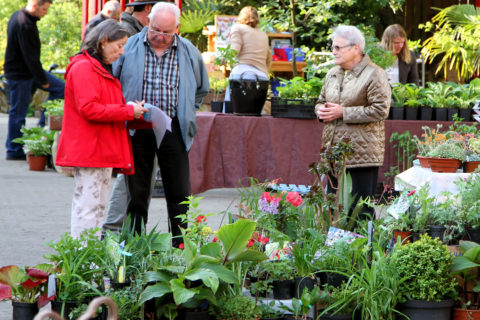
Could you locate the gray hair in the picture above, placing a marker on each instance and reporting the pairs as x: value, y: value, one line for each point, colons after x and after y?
x: 108, y: 30
x: 351, y: 34
x: 113, y: 6
x: 165, y: 6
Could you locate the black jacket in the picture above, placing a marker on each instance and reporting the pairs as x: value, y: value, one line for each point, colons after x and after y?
x: 408, y: 73
x: 22, y: 56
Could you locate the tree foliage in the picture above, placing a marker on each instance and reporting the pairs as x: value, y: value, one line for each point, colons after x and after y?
x: 60, y: 30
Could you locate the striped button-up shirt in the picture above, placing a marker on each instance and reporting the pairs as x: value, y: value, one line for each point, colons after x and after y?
x: 160, y: 78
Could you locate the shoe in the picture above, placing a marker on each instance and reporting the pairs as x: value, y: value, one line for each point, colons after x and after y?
x: 21, y: 157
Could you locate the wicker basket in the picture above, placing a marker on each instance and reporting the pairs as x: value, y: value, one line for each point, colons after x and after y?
x: 293, y: 108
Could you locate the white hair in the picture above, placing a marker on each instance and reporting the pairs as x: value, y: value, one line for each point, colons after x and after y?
x: 165, y: 6
x: 113, y: 6
x: 351, y: 34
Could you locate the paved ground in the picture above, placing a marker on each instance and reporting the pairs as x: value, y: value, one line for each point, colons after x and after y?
x: 35, y: 209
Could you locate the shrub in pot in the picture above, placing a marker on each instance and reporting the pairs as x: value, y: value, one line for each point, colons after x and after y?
x: 413, y: 101
x: 236, y: 308
x: 469, y: 205
x: 399, y: 98
x: 429, y: 286
x: 281, y: 273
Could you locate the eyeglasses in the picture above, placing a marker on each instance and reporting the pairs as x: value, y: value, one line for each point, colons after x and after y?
x: 170, y: 35
x: 338, y: 48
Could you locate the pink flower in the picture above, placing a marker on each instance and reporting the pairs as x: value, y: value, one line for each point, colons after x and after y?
x: 266, y: 196
x: 181, y: 246
x: 250, y: 243
x: 294, y: 198
x: 201, y: 219
x: 411, y: 193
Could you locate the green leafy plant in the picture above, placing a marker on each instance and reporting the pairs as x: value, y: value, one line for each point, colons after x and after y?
x: 426, y: 265
x: 399, y: 95
x: 466, y: 266
x: 469, y: 200
x: 236, y: 308
x: 53, y: 107
x: 449, y: 149
x: 37, y: 141
x: 414, y: 95
x: 226, y: 56
x: 438, y: 94
x: 279, y: 270
x: 268, y: 310
x: 299, y: 88
x: 301, y: 307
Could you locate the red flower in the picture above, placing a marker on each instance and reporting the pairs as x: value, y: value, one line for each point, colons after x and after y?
x: 215, y: 239
x: 201, y: 219
x: 261, y: 239
x: 266, y: 196
x: 181, y: 246
x: 250, y: 243
x: 411, y: 193
x: 294, y: 198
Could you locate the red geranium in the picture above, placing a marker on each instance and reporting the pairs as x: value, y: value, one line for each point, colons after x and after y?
x: 294, y: 198
x: 200, y: 219
x: 181, y: 246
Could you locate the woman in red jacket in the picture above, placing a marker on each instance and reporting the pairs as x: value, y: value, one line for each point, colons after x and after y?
x: 94, y: 138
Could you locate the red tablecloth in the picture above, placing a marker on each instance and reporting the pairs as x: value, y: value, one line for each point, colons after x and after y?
x: 228, y: 149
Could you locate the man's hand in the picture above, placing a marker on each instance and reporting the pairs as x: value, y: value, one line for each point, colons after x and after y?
x: 329, y: 111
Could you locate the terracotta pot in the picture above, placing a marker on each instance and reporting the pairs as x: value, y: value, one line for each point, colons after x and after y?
x: 55, y: 122
x: 423, y: 162
x: 470, y: 166
x: 37, y: 163
x: 404, y: 236
x: 444, y: 165
x: 465, y: 314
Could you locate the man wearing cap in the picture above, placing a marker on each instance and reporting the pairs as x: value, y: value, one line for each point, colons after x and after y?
x: 168, y: 72
x: 135, y: 22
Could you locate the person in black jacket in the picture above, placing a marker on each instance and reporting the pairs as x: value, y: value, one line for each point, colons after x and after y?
x: 24, y: 71
x: 404, y: 69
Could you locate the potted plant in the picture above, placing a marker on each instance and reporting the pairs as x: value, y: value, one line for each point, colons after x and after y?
x: 399, y: 98
x: 413, y: 100
x: 269, y: 312
x: 337, y: 303
x: 236, y: 308
x: 302, y: 307
x: 303, y: 253
x: 26, y: 288
x: 54, y: 111
x: 472, y: 160
x: 437, y: 95
x: 466, y: 268
x: 296, y: 98
x: 469, y: 205
x: 37, y: 144
x: 446, y: 156
x: 218, y: 85
x: 281, y: 273
x: 429, y: 287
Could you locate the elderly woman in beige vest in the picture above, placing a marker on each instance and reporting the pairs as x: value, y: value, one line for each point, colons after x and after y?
x: 254, y: 56
x: 354, y: 103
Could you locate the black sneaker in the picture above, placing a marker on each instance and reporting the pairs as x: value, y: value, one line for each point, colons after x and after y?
x: 21, y: 157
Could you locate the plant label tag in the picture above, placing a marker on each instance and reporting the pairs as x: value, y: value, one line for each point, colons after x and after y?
x: 51, y: 289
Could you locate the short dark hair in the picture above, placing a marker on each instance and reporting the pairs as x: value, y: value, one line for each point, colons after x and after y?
x: 109, y: 30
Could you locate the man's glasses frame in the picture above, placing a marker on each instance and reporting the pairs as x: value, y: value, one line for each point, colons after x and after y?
x: 338, y: 48
x: 170, y: 35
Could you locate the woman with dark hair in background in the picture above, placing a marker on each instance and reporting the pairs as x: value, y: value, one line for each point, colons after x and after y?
x: 94, y: 138
x: 404, y: 69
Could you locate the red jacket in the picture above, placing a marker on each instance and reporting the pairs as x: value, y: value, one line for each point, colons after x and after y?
x: 94, y: 133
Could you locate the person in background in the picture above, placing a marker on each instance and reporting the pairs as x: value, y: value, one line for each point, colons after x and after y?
x: 254, y: 56
x: 168, y: 72
x: 354, y: 102
x: 135, y: 22
x: 404, y: 69
x: 24, y: 71
x: 111, y: 10
x: 94, y: 137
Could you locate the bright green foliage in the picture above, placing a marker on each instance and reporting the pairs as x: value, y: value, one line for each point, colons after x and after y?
x: 36, y: 140
x: 426, y: 264
x: 236, y: 307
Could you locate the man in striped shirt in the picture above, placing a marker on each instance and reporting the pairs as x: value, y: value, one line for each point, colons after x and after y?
x: 168, y: 72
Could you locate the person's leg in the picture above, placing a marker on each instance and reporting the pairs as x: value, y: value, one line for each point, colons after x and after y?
x: 56, y: 90
x: 19, y: 99
x: 364, y: 183
x: 90, y: 197
x: 175, y: 170
x: 139, y: 185
x: 117, y: 205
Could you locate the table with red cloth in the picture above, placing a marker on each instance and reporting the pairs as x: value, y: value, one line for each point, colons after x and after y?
x: 228, y: 149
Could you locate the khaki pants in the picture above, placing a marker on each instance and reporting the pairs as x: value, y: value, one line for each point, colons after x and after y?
x: 90, y: 197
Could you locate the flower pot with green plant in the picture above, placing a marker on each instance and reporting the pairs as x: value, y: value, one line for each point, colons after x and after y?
x: 37, y: 145
x: 236, y: 308
x: 446, y: 156
x: 26, y: 288
x: 468, y: 205
x: 301, y: 307
x: 466, y: 268
x: 413, y: 100
x: 437, y: 95
x: 281, y: 273
x: 337, y: 303
x: 218, y: 85
x: 54, y: 112
x: 429, y: 286
x: 472, y: 160
x: 399, y: 98
x: 268, y: 311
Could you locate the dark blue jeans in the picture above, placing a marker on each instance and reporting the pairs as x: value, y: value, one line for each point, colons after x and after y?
x: 20, y: 97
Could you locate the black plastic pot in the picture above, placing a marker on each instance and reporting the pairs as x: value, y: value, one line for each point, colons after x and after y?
x: 279, y: 318
x: 216, y: 106
x: 187, y: 314
x: 119, y: 285
x: 415, y: 236
x: 440, y: 114
x: 474, y: 234
x: 283, y: 289
x: 411, y: 113
x: 426, y: 113
x: 321, y: 277
x: 69, y: 306
x: 301, y: 283
x: 336, y: 317
x: 436, y: 232
x: 24, y: 311
x: 465, y: 114
x: 335, y: 279
x: 398, y: 113
x: 421, y: 310
x: 451, y: 112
